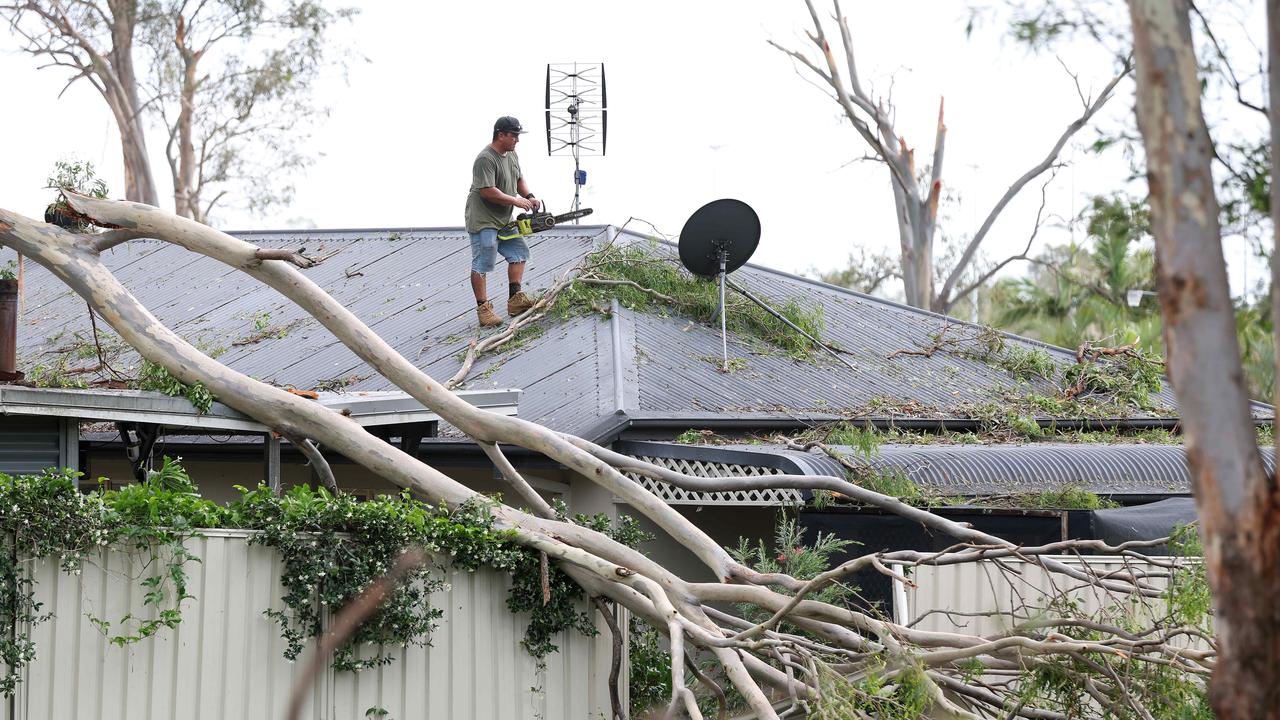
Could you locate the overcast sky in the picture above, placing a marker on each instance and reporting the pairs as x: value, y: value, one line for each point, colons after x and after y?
x: 700, y: 107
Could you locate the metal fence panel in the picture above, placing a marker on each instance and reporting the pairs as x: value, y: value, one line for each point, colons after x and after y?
x: 226, y: 659
x: 977, y: 598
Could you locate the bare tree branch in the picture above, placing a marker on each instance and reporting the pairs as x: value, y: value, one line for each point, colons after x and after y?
x: 1049, y: 160
x: 1026, y: 251
x: 317, y: 461
x: 365, y: 604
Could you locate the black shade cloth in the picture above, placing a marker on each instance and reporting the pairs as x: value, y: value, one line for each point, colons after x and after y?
x: 1143, y: 522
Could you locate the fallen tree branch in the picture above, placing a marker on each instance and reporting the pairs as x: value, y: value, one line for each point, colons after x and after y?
x: 297, y: 257
x: 318, y: 464
x: 764, y: 664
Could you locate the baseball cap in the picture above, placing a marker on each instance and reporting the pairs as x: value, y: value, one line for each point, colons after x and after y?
x: 507, y: 124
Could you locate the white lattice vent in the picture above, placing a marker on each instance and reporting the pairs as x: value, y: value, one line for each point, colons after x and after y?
x: 676, y: 496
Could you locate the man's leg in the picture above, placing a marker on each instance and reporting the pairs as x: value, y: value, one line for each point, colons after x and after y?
x: 484, y: 250
x: 515, y: 275
x: 516, y: 253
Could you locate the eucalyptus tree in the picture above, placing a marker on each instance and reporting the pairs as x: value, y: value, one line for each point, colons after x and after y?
x: 232, y: 83
x: 94, y: 41
x: 1239, y: 501
x: 918, y: 188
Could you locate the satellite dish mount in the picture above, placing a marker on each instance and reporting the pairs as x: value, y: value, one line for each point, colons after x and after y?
x: 718, y: 239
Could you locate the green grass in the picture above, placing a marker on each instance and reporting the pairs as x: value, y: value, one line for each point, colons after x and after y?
x: 1067, y: 497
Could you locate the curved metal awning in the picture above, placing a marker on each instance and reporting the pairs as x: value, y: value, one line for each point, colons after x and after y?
x: 1124, y: 470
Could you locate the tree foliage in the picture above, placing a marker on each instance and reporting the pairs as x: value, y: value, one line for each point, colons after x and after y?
x: 1079, y: 294
x: 231, y: 82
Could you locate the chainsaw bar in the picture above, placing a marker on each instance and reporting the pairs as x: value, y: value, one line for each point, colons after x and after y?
x: 573, y: 215
x: 529, y: 223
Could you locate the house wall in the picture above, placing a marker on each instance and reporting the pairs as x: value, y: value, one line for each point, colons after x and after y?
x: 217, y: 478
x: 225, y: 660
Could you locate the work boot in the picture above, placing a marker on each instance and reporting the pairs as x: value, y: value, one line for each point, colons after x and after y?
x: 488, y: 318
x: 519, y: 303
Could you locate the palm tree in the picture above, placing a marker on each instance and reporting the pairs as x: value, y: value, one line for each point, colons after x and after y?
x: 1079, y: 292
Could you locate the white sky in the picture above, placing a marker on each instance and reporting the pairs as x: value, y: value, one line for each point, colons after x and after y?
x: 683, y: 78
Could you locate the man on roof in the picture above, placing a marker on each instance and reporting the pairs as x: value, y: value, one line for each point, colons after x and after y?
x: 496, y: 187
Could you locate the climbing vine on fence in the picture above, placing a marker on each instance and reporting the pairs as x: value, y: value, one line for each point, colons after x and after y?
x: 155, y: 519
x: 41, y: 516
x: 334, y: 546
x: 46, y: 516
x: 331, y: 546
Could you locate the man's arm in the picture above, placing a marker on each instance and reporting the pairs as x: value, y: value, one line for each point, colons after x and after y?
x: 523, y: 188
x: 497, y: 197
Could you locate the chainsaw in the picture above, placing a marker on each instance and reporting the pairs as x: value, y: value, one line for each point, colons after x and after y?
x: 527, y: 224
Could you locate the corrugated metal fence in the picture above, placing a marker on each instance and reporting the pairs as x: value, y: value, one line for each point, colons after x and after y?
x: 980, y: 598
x: 226, y: 658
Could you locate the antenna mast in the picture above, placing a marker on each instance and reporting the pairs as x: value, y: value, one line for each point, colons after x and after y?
x: 577, y: 115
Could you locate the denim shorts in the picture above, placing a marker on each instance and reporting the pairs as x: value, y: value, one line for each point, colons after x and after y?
x: 485, y: 247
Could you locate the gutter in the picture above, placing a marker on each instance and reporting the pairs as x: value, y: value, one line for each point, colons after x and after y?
x: 455, y: 453
x: 622, y: 423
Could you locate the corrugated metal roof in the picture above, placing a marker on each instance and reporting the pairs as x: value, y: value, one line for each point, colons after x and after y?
x: 1123, y: 469
x: 410, y: 286
x: 869, y: 329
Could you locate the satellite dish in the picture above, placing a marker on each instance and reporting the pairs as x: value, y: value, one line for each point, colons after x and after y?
x: 722, y: 231
x: 718, y: 239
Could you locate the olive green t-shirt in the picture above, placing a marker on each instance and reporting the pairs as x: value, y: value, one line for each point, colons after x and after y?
x: 491, y: 170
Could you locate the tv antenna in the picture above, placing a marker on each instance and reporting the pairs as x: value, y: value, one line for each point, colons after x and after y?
x: 718, y: 239
x: 577, y: 115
